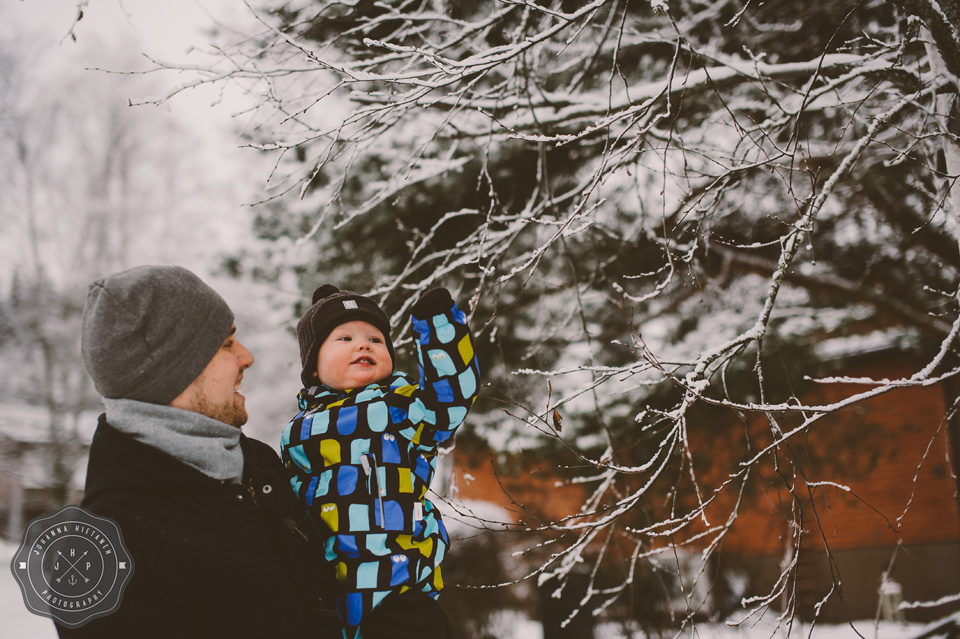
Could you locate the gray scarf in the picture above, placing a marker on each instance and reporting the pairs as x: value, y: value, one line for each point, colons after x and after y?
x: 202, y: 442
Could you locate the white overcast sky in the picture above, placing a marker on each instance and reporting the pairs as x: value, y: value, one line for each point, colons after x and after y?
x: 164, y: 27
x: 167, y: 30
x: 115, y: 35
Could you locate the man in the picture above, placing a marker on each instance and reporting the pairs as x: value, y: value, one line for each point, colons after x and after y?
x: 206, y: 513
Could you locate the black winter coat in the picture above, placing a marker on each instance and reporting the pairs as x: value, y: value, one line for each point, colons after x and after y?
x: 210, y: 559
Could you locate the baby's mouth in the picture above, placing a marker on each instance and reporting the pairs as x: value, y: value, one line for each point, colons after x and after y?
x: 364, y: 360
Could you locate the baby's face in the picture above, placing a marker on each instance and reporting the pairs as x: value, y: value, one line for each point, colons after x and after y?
x: 353, y: 355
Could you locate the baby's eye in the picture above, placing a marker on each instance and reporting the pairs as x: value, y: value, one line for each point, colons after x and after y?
x: 376, y: 339
x: 344, y: 338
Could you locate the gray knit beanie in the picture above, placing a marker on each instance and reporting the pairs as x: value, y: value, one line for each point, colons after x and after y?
x: 148, y: 332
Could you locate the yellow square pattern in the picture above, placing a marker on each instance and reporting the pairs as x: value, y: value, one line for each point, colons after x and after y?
x: 466, y: 349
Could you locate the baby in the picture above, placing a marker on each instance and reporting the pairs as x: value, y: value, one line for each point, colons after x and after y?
x: 362, y: 452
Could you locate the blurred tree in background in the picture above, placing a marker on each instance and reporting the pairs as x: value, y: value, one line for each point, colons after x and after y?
x: 88, y: 186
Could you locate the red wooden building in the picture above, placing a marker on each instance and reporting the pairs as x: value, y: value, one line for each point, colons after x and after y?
x: 875, y: 485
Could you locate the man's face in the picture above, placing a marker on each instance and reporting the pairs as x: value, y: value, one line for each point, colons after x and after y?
x: 354, y: 355
x: 216, y: 390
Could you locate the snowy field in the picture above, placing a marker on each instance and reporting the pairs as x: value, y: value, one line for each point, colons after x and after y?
x: 16, y: 622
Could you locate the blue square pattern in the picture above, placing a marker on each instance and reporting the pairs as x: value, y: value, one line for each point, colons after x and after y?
x: 391, y: 450
x: 347, y: 479
x: 393, y: 514
x: 359, y: 517
x: 367, y: 574
x: 347, y: 419
x: 400, y: 573
x: 347, y: 545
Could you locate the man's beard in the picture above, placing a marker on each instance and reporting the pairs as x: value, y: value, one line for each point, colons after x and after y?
x: 232, y: 413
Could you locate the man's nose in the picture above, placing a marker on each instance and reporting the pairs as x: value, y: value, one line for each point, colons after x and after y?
x: 245, y: 357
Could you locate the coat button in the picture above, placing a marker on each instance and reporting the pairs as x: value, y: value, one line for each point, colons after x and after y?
x: 267, y: 489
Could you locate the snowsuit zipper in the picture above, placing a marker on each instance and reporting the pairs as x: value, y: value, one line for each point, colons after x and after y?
x: 373, y: 483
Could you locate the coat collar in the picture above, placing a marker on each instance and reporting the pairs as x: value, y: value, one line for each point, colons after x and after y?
x: 118, y: 462
x: 322, y: 396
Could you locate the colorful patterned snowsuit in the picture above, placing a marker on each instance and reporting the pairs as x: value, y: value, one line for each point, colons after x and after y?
x: 363, y: 460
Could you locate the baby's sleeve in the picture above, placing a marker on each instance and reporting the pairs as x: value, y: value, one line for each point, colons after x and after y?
x: 449, y: 372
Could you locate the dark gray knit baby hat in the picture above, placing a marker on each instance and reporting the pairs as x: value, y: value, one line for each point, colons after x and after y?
x: 332, y: 307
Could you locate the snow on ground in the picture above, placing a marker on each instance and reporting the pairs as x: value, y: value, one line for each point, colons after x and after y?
x: 766, y: 629
x: 17, y: 622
